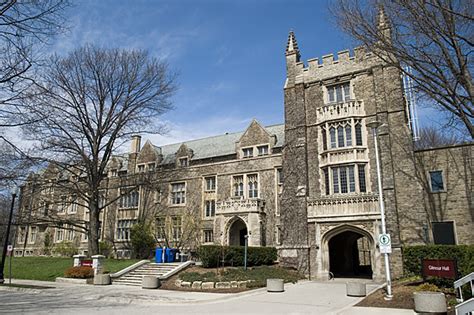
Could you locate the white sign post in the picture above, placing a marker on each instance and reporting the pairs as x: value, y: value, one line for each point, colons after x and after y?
x: 10, y: 253
x: 385, y: 244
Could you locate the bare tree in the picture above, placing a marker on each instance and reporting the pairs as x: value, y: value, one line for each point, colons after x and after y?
x: 430, y: 137
x: 179, y: 230
x: 25, y: 26
x: 89, y: 102
x: 433, y: 38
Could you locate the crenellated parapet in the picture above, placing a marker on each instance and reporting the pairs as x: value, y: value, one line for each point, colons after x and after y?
x: 346, y: 62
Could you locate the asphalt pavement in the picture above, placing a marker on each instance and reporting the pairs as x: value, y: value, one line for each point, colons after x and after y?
x: 307, y: 297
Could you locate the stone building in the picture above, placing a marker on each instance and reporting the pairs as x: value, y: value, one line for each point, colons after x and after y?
x: 308, y: 186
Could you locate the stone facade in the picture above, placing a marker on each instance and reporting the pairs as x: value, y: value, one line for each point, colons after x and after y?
x: 308, y: 187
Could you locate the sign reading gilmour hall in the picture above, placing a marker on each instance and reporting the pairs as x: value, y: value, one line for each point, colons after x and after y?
x: 442, y: 268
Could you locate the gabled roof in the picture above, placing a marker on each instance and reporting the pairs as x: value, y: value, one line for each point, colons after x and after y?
x: 217, y: 145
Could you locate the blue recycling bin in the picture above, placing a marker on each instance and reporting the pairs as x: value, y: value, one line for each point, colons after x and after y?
x: 159, y: 255
x: 168, y: 255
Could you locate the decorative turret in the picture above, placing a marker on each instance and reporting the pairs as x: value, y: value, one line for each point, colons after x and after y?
x: 293, y: 64
x: 383, y: 24
x: 292, y: 46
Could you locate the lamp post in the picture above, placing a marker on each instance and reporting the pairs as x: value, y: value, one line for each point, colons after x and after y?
x: 5, y: 245
x: 374, y: 125
x: 245, y: 249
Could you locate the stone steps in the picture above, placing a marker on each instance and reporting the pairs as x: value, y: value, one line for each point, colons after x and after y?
x: 135, y: 277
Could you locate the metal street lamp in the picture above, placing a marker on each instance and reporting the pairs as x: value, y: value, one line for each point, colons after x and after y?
x: 5, y: 245
x: 245, y: 249
x: 374, y: 125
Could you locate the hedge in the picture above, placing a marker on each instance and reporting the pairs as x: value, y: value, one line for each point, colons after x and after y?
x: 211, y: 255
x: 80, y: 272
x: 464, y: 254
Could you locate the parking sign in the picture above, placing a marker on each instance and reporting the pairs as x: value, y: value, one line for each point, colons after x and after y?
x: 385, y: 244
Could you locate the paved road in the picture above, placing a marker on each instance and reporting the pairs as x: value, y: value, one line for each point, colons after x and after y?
x: 302, y: 298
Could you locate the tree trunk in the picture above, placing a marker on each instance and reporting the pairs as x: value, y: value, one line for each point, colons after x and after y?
x: 94, y: 225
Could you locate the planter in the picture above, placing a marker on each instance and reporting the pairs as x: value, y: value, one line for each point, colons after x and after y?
x: 430, y: 302
x: 357, y: 289
x: 275, y: 285
x: 102, y: 279
x: 150, y: 282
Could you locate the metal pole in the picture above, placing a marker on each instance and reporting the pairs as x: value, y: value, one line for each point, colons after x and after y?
x: 10, y: 270
x: 245, y: 252
x: 5, y: 245
x: 382, y: 215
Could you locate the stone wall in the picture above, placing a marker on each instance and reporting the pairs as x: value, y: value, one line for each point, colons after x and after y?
x: 455, y: 203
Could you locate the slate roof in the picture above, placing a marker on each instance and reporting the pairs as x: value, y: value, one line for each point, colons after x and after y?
x: 217, y: 145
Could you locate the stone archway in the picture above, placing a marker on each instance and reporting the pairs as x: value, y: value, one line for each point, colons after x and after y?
x: 237, y: 232
x: 350, y: 252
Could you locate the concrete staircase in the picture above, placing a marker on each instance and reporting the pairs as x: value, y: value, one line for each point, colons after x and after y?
x: 162, y: 271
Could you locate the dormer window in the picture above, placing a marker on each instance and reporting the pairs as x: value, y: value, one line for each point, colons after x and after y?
x: 183, y: 162
x: 151, y: 167
x: 141, y: 168
x: 339, y: 93
x: 248, y: 152
x: 262, y: 150
x: 113, y: 172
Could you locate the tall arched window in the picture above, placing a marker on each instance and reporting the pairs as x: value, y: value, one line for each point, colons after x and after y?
x: 340, y: 136
x: 348, y: 135
x: 324, y: 136
x: 332, y: 133
x: 358, y: 134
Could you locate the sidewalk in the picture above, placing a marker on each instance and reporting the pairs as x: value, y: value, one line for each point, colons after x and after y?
x: 305, y: 297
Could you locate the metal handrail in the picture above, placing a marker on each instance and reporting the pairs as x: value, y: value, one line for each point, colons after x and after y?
x: 464, y: 280
x: 458, y: 287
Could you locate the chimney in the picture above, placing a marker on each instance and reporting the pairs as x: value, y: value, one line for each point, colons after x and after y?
x: 136, y: 144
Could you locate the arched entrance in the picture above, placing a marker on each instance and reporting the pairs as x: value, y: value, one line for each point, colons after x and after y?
x: 350, y: 255
x: 237, y: 232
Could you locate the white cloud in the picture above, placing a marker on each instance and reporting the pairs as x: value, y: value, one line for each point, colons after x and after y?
x: 199, y: 129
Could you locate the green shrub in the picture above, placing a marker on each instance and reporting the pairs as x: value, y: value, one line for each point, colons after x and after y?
x: 79, y: 272
x: 212, y: 255
x: 258, y: 275
x: 105, y: 249
x: 196, y: 276
x: 65, y: 248
x: 142, y: 239
x: 413, y: 255
x: 428, y: 287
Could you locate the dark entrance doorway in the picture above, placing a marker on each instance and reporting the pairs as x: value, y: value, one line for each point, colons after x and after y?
x: 350, y: 256
x: 237, y: 233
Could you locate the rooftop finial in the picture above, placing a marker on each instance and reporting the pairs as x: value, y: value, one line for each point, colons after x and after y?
x: 383, y: 23
x: 292, y: 45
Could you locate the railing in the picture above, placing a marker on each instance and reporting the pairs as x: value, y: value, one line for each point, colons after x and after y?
x: 239, y: 205
x: 464, y: 307
x: 361, y: 204
x: 340, y: 110
x: 344, y: 155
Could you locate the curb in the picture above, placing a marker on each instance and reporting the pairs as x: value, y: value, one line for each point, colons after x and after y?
x: 26, y: 290
x: 380, y: 286
x: 149, y: 300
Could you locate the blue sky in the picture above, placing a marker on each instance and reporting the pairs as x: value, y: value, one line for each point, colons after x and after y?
x: 229, y: 54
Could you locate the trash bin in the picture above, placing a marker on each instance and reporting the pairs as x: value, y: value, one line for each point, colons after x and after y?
x: 159, y: 255
x: 171, y: 254
x: 174, y: 255
x: 168, y: 257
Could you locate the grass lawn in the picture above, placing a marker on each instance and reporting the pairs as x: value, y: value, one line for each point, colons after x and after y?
x: 49, y: 268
